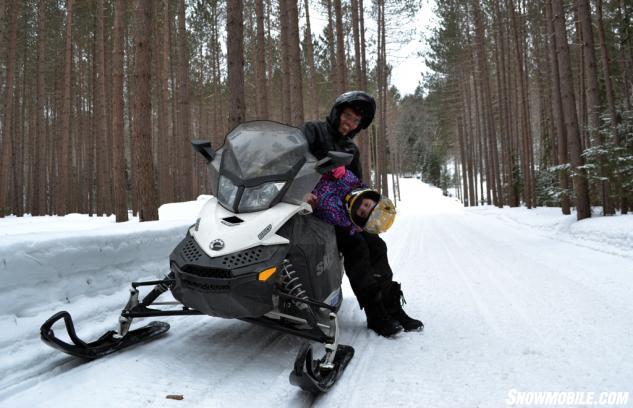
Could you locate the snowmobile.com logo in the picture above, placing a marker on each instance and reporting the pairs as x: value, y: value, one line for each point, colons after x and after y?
x: 566, y: 398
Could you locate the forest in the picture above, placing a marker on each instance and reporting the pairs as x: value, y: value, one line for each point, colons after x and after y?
x: 533, y: 100
x: 527, y: 103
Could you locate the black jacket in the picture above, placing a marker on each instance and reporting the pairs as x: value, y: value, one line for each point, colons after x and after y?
x: 324, y: 136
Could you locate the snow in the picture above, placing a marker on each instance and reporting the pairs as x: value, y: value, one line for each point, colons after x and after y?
x: 512, y: 299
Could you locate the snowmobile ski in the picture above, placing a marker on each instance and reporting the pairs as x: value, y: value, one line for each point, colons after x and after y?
x: 312, y: 375
x: 109, y: 343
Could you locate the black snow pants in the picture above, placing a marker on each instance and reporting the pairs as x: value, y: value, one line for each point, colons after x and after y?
x: 366, y: 264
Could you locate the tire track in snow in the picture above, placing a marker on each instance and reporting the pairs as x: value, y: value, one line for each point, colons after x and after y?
x: 488, y: 267
x: 486, y: 314
x: 529, y: 291
x: 562, y: 305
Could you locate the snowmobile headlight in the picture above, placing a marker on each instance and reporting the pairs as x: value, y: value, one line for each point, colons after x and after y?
x: 227, y: 191
x: 259, y: 197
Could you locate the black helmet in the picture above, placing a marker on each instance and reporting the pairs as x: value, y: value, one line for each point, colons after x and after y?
x: 361, y: 102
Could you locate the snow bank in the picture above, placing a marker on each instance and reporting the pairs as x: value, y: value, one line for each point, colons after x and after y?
x: 613, y: 234
x: 39, y: 254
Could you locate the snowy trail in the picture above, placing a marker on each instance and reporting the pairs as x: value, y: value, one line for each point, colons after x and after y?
x: 505, y: 307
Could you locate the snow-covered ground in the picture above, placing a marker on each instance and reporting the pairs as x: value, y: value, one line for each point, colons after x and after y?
x: 513, y: 300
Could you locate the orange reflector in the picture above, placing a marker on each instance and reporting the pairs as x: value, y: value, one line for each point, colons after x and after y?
x: 264, y: 275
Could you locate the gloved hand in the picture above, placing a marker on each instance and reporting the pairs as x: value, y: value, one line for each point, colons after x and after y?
x: 338, y: 172
x: 310, y: 199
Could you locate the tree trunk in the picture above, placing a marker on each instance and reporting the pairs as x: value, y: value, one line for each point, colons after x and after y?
x: 261, y: 87
x: 21, y: 138
x: 469, y: 141
x: 493, y: 156
x: 63, y: 204
x: 184, y: 106
x: 102, y: 202
x: 499, y: 50
x: 218, y: 101
x: 355, y: 33
x: 581, y: 100
x: 462, y: 156
x: 479, y: 135
x: 593, y: 99
x: 235, y: 62
x: 108, y: 23
x: 142, y: 146
x: 129, y: 118
x: 341, y: 62
x: 365, y: 148
x: 362, y: 139
x: 87, y: 143
x: 31, y: 151
x: 165, y: 137
x: 118, y: 150
x: 525, y: 139
x: 3, y: 26
x: 510, y: 106
x: 529, y: 144
x: 39, y: 180
x: 294, y: 60
x: 583, y: 209
x: 271, y: 57
x: 363, y: 45
x: 331, y: 49
x: 604, y: 54
x: 383, y: 144
x: 286, y: 114
x: 557, y: 113
x: 313, y: 95
x: 89, y: 146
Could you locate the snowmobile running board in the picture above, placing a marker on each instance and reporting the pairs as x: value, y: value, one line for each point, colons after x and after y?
x: 109, y: 343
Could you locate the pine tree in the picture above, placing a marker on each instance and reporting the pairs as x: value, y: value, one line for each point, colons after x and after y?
x: 581, y: 188
x: 235, y: 63
x: 142, y: 136
x: 119, y: 186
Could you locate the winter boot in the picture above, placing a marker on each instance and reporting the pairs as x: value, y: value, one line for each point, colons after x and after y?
x: 378, y: 318
x: 393, y: 300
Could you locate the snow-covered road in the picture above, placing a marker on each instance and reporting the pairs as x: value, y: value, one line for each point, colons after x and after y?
x: 507, y: 306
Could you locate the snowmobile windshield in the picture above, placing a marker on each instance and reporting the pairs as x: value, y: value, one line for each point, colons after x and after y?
x: 259, y: 162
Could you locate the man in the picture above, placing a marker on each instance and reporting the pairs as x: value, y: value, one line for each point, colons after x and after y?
x: 365, y: 254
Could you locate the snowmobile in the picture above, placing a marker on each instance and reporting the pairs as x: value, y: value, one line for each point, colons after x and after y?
x: 255, y: 253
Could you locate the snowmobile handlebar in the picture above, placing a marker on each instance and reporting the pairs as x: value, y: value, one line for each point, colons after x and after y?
x: 333, y: 160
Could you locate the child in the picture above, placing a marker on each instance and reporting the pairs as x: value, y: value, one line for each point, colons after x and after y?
x: 341, y: 199
x: 359, y: 214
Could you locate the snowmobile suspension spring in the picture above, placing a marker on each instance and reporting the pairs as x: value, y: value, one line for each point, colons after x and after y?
x: 291, y: 281
x: 159, y: 289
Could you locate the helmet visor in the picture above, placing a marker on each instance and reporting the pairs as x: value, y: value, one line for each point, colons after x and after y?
x: 382, y: 217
